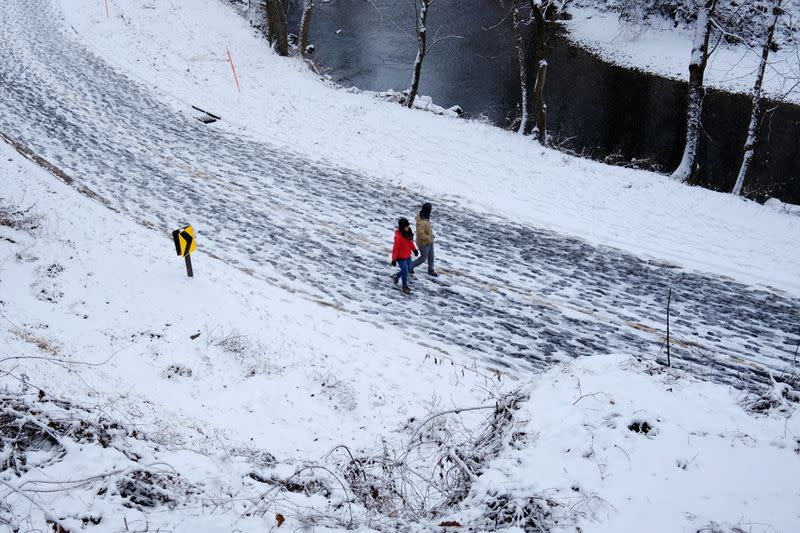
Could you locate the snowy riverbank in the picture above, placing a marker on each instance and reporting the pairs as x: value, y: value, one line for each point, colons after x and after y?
x: 660, y: 47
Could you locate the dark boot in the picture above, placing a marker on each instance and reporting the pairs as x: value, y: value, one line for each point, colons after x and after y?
x: 432, y: 273
x: 407, y: 290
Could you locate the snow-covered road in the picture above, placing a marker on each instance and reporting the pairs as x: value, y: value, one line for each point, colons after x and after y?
x: 318, y: 228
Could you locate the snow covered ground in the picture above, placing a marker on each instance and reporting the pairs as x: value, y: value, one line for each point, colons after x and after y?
x: 640, y: 448
x: 100, y: 311
x: 322, y: 228
x: 661, y: 48
x: 210, y: 387
x: 214, y: 403
x: 173, y: 48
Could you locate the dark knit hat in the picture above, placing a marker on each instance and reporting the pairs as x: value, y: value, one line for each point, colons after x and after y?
x: 425, y: 212
x: 403, y: 223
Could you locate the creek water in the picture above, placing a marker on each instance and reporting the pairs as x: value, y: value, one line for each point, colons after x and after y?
x: 603, y: 111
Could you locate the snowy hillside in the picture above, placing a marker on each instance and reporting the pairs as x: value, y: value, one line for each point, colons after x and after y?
x: 288, y: 385
x: 166, y: 46
x: 220, y: 372
x: 192, y: 402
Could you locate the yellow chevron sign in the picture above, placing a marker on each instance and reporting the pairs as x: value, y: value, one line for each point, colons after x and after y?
x: 185, y: 242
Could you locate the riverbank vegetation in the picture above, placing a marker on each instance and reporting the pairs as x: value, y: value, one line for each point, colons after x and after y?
x: 766, y: 29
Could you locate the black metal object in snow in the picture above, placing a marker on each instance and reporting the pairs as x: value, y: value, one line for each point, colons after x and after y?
x: 206, y: 118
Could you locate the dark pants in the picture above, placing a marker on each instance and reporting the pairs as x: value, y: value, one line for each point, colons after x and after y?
x: 405, y: 268
x: 425, y: 254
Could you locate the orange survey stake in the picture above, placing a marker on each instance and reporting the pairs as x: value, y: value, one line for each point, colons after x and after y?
x: 233, y: 69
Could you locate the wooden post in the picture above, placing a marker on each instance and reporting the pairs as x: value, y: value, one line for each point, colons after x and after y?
x: 189, y: 271
x: 669, y: 300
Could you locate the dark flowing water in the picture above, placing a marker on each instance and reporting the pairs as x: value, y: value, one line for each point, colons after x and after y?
x: 600, y: 110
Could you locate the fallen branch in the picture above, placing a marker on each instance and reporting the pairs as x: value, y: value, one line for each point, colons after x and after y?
x: 47, y: 515
x: 591, y: 395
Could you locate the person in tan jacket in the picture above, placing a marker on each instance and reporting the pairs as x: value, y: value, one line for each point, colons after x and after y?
x: 425, y: 239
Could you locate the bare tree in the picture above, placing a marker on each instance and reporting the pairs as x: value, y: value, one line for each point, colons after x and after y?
x: 519, y: 44
x: 276, y: 26
x: 697, y: 69
x: 305, y: 23
x: 541, y: 11
x: 755, y: 119
x: 421, y: 9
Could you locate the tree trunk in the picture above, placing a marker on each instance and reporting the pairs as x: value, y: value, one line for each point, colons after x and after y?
x: 539, y: 106
x: 753, y: 128
x: 540, y: 23
x: 422, y: 42
x: 523, y: 69
x: 541, y: 110
x: 276, y: 26
x: 305, y: 24
x: 694, y: 108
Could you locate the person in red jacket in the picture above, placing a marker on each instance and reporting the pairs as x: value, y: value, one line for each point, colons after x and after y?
x: 401, y: 253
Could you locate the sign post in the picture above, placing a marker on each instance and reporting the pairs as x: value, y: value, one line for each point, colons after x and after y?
x: 185, y: 244
x: 189, y: 266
